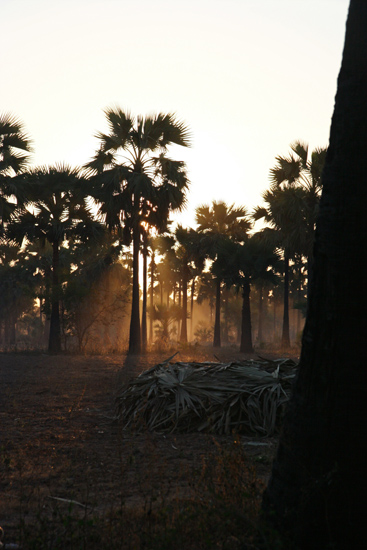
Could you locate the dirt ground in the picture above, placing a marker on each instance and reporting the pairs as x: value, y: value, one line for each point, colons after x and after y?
x: 58, y: 439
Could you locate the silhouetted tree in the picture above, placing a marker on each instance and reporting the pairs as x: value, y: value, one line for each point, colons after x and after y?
x: 15, y: 147
x: 140, y: 180
x: 283, y: 212
x: 303, y: 170
x: 191, y: 255
x: 219, y: 222
x: 56, y: 208
x: 317, y: 492
x: 241, y: 264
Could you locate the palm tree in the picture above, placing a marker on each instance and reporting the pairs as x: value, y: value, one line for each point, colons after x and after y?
x: 14, y: 148
x: 207, y: 292
x: 283, y: 213
x: 142, y: 183
x: 241, y: 264
x: 302, y: 170
x: 144, y: 329
x: 190, y: 255
x: 14, y: 145
x: 217, y: 222
x: 166, y: 316
x: 56, y: 208
x: 317, y: 491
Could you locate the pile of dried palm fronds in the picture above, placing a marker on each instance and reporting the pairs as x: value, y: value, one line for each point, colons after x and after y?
x: 245, y: 397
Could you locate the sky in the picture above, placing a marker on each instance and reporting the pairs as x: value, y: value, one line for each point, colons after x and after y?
x: 248, y: 77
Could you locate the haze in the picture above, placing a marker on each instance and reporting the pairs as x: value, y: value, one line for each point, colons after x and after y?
x: 247, y: 76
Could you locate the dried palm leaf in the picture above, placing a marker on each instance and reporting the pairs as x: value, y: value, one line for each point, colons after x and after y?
x: 246, y: 397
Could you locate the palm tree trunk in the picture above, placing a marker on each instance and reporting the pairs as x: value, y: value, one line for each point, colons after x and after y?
x: 246, y: 329
x: 285, y: 334
x: 161, y: 289
x: 192, y: 308
x: 54, y: 343
x: 275, y: 322
x: 179, y: 321
x: 216, y: 342
x: 152, y: 269
x: 309, y: 272
x: 226, y: 314
x: 183, y: 337
x: 134, y: 339
x: 144, y: 335
x: 317, y: 492
x: 299, y: 313
x: 260, y: 336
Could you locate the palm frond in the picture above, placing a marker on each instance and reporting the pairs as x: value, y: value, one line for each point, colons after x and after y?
x: 286, y: 170
x: 247, y: 397
x: 301, y: 150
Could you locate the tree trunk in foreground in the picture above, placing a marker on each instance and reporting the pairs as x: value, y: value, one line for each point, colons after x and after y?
x: 318, y: 489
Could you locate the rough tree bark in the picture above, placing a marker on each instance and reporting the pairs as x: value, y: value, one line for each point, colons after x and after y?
x: 318, y: 489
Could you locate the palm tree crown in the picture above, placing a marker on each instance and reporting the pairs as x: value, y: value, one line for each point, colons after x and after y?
x: 217, y: 223
x: 14, y: 145
x: 141, y: 185
x: 55, y: 209
x: 14, y: 149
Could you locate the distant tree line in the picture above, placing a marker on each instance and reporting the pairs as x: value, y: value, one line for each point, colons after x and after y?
x: 72, y: 239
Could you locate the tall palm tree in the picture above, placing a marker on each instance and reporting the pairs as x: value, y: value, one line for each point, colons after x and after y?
x: 191, y: 255
x: 144, y: 328
x: 283, y: 213
x: 141, y: 180
x: 15, y: 147
x: 317, y: 491
x: 56, y: 208
x: 242, y: 264
x: 302, y: 169
x: 217, y: 222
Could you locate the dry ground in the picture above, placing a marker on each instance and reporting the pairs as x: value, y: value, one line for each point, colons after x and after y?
x: 58, y: 441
